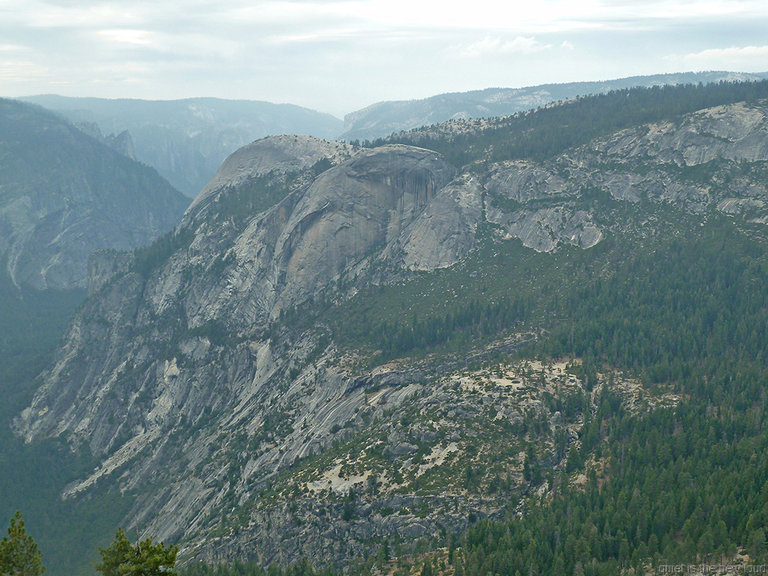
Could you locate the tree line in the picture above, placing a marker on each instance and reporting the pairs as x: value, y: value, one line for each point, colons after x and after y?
x: 548, y: 131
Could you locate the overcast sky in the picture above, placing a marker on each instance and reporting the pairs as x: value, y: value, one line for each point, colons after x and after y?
x: 338, y: 56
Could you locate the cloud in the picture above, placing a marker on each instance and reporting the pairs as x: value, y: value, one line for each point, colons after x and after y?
x: 739, y: 58
x: 20, y: 71
x: 339, y: 55
x: 495, y: 45
x: 733, y: 51
x: 127, y: 36
x: 313, y: 36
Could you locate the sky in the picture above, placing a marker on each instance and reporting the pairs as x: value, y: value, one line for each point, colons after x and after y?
x: 338, y: 56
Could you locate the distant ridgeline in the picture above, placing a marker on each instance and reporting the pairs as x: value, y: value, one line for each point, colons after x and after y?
x: 548, y: 131
x: 65, y: 194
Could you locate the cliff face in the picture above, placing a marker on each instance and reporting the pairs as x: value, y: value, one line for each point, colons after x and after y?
x: 235, y: 279
x: 182, y: 378
x: 64, y: 195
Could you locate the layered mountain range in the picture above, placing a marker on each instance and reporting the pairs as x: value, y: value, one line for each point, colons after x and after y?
x: 64, y: 194
x: 328, y: 353
x: 187, y: 140
x: 384, y: 118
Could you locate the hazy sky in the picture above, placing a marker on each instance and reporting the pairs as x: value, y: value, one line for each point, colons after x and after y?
x: 338, y: 56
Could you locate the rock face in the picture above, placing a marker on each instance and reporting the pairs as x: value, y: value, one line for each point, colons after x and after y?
x: 350, y: 211
x: 444, y: 232
x: 277, y: 155
x: 279, y: 260
x: 180, y: 356
x: 122, y: 143
x: 64, y: 195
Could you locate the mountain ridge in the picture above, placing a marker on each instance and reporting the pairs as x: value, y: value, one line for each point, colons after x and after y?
x: 186, y: 140
x: 64, y: 194
x: 264, y: 352
x: 381, y: 119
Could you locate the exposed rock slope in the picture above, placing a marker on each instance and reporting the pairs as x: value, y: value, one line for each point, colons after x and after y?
x: 64, y: 195
x: 240, y: 279
x: 278, y: 155
x: 181, y: 377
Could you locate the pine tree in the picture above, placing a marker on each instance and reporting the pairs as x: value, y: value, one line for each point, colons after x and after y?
x: 19, y: 555
x: 122, y: 558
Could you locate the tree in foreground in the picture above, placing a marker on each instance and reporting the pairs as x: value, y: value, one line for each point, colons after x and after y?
x: 19, y: 555
x: 122, y: 558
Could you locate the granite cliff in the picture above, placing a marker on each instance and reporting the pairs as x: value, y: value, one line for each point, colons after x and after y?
x: 206, y: 376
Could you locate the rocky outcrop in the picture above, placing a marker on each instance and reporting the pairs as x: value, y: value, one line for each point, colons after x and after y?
x: 274, y: 155
x: 122, y: 143
x: 446, y: 231
x: 708, y: 160
x: 546, y: 228
x: 279, y: 260
x: 321, y: 233
x: 349, y: 212
x: 106, y: 265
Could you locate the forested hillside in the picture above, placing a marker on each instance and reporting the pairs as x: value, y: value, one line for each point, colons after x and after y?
x: 677, y: 485
x: 546, y: 132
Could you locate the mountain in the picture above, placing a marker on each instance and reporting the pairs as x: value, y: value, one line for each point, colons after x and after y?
x: 347, y: 353
x: 385, y: 118
x: 187, y: 140
x: 64, y: 195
